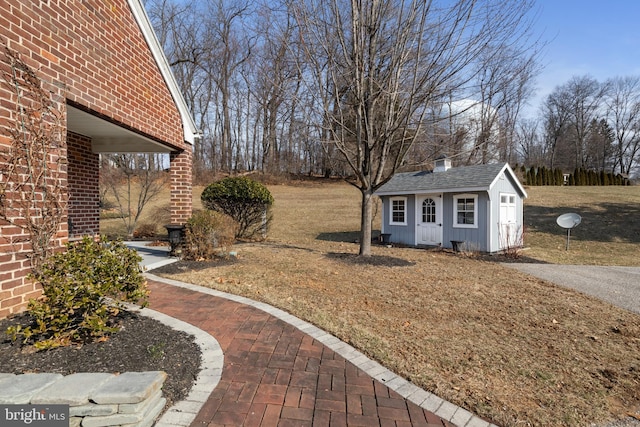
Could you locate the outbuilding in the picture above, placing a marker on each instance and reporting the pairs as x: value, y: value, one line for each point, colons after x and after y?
x: 472, y: 208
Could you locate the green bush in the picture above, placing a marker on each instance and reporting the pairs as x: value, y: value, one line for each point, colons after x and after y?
x: 84, y: 288
x: 246, y: 201
x: 206, y: 234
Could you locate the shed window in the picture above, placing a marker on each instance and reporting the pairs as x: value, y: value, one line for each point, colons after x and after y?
x: 465, y: 211
x: 398, y: 212
x: 429, y: 211
x: 507, y: 208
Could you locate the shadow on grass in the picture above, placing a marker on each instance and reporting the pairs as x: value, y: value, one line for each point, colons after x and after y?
x: 183, y: 266
x: 373, y: 260
x: 343, y: 236
x: 601, y: 222
x: 346, y: 236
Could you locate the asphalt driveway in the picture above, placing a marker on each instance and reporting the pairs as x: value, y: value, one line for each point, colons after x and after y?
x: 619, y: 286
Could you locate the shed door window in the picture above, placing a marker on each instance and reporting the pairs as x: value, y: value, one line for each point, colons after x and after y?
x: 429, y: 211
x: 399, y: 211
x: 465, y: 213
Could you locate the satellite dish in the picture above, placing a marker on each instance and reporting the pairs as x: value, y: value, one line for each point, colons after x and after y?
x: 569, y: 221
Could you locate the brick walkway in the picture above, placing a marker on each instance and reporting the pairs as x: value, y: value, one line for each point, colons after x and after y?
x: 275, y: 375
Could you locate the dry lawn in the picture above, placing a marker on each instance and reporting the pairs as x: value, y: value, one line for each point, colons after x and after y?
x: 511, y: 348
x: 608, y: 235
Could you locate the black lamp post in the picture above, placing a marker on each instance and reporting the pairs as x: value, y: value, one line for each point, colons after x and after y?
x: 176, y: 234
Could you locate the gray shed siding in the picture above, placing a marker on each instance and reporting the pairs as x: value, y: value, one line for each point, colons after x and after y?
x: 474, y: 238
x: 404, y: 234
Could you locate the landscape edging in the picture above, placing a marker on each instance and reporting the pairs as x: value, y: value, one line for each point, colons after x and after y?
x: 454, y: 414
x: 183, y: 413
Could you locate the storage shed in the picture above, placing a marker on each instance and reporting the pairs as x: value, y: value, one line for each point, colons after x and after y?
x: 474, y: 208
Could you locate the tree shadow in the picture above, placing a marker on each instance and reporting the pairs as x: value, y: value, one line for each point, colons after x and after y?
x: 374, y: 260
x: 346, y: 236
x: 601, y: 222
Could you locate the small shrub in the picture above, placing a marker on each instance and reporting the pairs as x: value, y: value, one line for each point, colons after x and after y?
x: 145, y: 231
x: 206, y: 234
x: 248, y: 202
x: 84, y: 288
x: 512, y: 241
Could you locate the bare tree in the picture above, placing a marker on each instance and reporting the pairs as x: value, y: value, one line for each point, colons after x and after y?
x: 133, y: 184
x: 228, y: 47
x: 503, y: 84
x: 530, y: 149
x: 377, y: 65
x: 275, y: 78
x: 181, y: 33
x: 556, y: 121
x: 623, y: 105
x: 584, y: 97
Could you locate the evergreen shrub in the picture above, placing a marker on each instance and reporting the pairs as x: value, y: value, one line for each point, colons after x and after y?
x: 84, y: 288
x: 247, y: 201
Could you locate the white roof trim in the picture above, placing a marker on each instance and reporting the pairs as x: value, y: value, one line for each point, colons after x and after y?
x: 513, y: 176
x: 141, y: 17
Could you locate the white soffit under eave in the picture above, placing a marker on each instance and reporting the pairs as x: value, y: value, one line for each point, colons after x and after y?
x: 107, y: 137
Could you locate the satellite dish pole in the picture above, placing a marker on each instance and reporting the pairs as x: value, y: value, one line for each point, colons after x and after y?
x: 569, y: 221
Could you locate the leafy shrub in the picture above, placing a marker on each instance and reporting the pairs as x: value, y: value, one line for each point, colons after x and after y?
x: 246, y: 201
x: 83, y: 289
x: 207, y: 233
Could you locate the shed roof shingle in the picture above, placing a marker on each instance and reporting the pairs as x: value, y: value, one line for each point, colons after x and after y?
x: 476, y: 177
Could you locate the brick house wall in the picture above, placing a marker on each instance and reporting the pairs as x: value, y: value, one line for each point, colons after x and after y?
x: 84, y: 187
x: 92, y: 55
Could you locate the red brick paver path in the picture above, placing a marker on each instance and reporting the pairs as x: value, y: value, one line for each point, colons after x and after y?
x: 275, y: 375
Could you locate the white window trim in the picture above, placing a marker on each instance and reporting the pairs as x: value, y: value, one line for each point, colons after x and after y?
x: 475, y: 210
x: 391, y: 200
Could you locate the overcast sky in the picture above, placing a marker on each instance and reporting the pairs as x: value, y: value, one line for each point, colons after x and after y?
x: 600, y: 38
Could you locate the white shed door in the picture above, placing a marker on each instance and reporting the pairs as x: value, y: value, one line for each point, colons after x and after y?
x: 509, y: 232
x: 429, y: 220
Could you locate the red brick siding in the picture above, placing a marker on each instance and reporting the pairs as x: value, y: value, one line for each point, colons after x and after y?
x: 93, y: 54
x: 94, y: 51
x: 181, y: 177
x: 84, y: 186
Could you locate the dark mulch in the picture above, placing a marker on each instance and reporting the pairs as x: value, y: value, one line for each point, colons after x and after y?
x: 142, y: 344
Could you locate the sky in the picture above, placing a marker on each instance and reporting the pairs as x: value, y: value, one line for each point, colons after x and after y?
x: 599, y: 38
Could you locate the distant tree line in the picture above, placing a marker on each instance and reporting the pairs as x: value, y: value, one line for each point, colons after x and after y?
x: 586, y: 125
x: 275, y: 85
x: 265, y: 84
x: 538, y: 176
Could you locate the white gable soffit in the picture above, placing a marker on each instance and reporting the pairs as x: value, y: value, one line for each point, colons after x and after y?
x: 141, y: 17
x: 507, y: 170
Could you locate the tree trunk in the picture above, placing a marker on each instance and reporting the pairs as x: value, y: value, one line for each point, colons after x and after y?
x: 365, y: 222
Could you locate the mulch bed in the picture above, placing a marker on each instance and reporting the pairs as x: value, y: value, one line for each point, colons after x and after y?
x: 142, y: 344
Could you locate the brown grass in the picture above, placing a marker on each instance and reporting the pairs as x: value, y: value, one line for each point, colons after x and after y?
x: 509, y: 347
x: 608, y: 235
